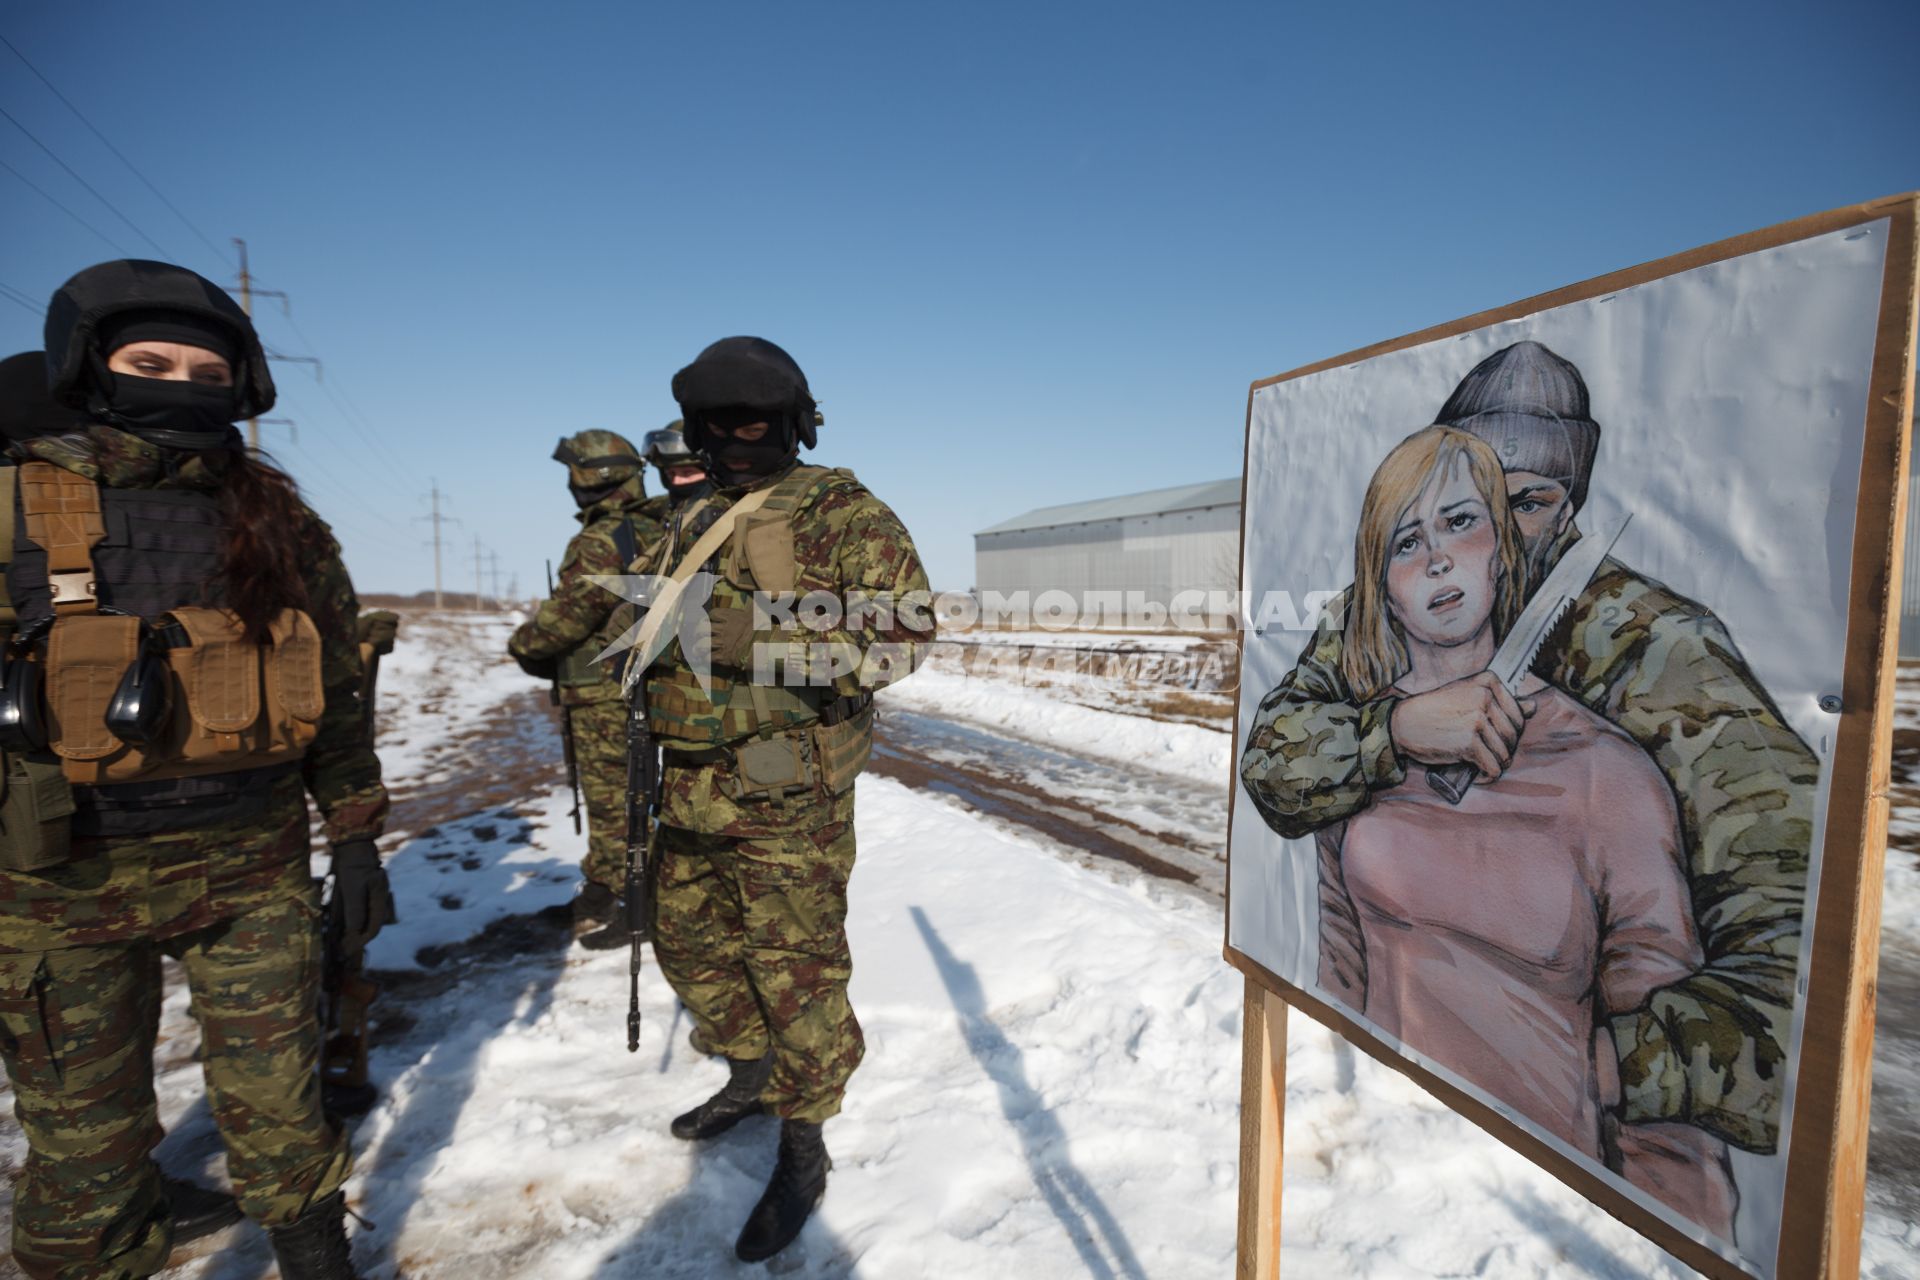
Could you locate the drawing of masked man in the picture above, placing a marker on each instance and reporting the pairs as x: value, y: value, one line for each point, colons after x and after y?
x: 1709, y: 1049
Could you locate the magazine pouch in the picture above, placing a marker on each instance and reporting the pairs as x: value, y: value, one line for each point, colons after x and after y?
x: 842, y: 748
x: 36, y: 813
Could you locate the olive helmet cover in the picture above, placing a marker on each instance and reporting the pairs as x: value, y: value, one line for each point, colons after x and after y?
x: 596, y: 459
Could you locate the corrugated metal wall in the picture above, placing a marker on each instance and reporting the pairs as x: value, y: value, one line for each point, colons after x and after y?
x: 1156, y: 555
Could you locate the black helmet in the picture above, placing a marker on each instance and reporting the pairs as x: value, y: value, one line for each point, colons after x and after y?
x: 100, y: 292
x: 26, y: 410
x: 749, y: 373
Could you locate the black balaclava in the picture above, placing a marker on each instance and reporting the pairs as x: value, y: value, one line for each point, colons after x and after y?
x: 599, y: 493
x: 735, y: 463
x: 679, y: 495
x: 27, y: 409
x: 751, y: 376
x: 168, y: 412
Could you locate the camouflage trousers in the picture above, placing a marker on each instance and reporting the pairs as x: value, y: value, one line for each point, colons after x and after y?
x: 76, y: 1027
x: 751, y: 932
x: 600, y: 747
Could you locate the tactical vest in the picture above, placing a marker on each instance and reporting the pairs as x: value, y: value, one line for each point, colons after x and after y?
x: 758, y: 556
x: 102, y: 578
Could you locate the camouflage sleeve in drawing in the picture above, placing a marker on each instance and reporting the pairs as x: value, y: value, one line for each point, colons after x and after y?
x: 578, y: 606
x: 1709, y: 1050
x: 340, y: 769
x: 1313, y: 753
x: 852, y: 546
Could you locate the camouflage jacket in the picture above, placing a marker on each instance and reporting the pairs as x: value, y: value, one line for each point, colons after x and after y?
x: 1709, y: 1050
x: 115, y: 888
x: 846, y: 542
x: 577, y: 621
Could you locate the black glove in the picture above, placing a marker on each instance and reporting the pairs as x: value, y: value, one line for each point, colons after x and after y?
x: 539, y: 668
x: 362, y: 902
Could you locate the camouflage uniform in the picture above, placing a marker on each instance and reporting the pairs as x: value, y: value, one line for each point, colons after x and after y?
x: 1709, y: 1050
x: 236, y: 904
x: 750, y: 897
x: 572, y: 626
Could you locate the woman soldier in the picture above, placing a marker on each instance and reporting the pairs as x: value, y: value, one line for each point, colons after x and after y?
x: 148, y: 542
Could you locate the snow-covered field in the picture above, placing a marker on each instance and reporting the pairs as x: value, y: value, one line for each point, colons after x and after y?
x: 1052, y: 1074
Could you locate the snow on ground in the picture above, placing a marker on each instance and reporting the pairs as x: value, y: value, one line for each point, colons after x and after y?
x: 1186, y: 750
x: 1050, y: 1088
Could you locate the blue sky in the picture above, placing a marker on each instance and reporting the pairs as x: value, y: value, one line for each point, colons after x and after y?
x: 1026, y: 254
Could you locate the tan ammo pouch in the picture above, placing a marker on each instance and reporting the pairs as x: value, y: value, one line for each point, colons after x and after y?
x: 36, y: 808
x: 842, y: 750
x: 235, y: 705
x: 760, y: 553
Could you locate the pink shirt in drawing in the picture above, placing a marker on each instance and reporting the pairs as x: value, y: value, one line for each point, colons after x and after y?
x: 1495, y: 936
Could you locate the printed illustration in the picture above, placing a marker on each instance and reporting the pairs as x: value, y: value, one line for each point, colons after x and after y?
x: 1570, y: 868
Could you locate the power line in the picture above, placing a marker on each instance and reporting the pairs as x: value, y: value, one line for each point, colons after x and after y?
x: 345, y: 487
x: 19, y: 299
x: 31, y: 137
x: 113, y: 244
x: 347, y: 406
x: 116, y: 151
x: 438, y: 520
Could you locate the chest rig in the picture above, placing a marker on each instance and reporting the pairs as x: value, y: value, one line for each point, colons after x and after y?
x: 807, y: 722
x: 157, y: 710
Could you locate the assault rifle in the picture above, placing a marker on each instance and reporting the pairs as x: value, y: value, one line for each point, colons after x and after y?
x: 643, y: 802
x: 566, y: 729
x: 346, y: 991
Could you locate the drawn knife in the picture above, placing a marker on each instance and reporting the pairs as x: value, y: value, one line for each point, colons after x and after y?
x: 1515, y: 657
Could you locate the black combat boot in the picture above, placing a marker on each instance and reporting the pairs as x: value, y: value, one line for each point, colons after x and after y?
x: 197, y: 1211
x: 737, y: 1100
x: 799, y: 1180
x: 594, y: 904
x: 314, y: 1245
x: 612, y: 936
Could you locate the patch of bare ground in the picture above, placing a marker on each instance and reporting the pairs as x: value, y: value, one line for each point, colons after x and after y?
x: 1059, y: 817
x: 512, y: 753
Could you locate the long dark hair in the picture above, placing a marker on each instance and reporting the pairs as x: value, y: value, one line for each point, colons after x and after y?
x: 260, y: 558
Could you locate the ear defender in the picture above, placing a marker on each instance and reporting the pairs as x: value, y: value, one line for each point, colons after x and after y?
x: 142, y: 703
x: 23, y: 720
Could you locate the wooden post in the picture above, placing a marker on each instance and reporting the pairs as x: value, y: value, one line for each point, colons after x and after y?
x: 1263, y: 1103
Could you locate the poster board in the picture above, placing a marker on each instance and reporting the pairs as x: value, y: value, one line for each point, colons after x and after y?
x: 1745, y: 411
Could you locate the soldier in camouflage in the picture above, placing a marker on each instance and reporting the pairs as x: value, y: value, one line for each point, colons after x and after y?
x: 763, y: 727
x: 211, y: 870
x: 1711, y: 1049
x: 609, y: 484
x: 683, y: 477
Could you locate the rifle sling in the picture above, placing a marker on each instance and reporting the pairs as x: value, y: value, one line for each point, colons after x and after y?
x: 702, y: 551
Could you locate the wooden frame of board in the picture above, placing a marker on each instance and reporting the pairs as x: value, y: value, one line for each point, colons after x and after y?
x: 1827, y: 1152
